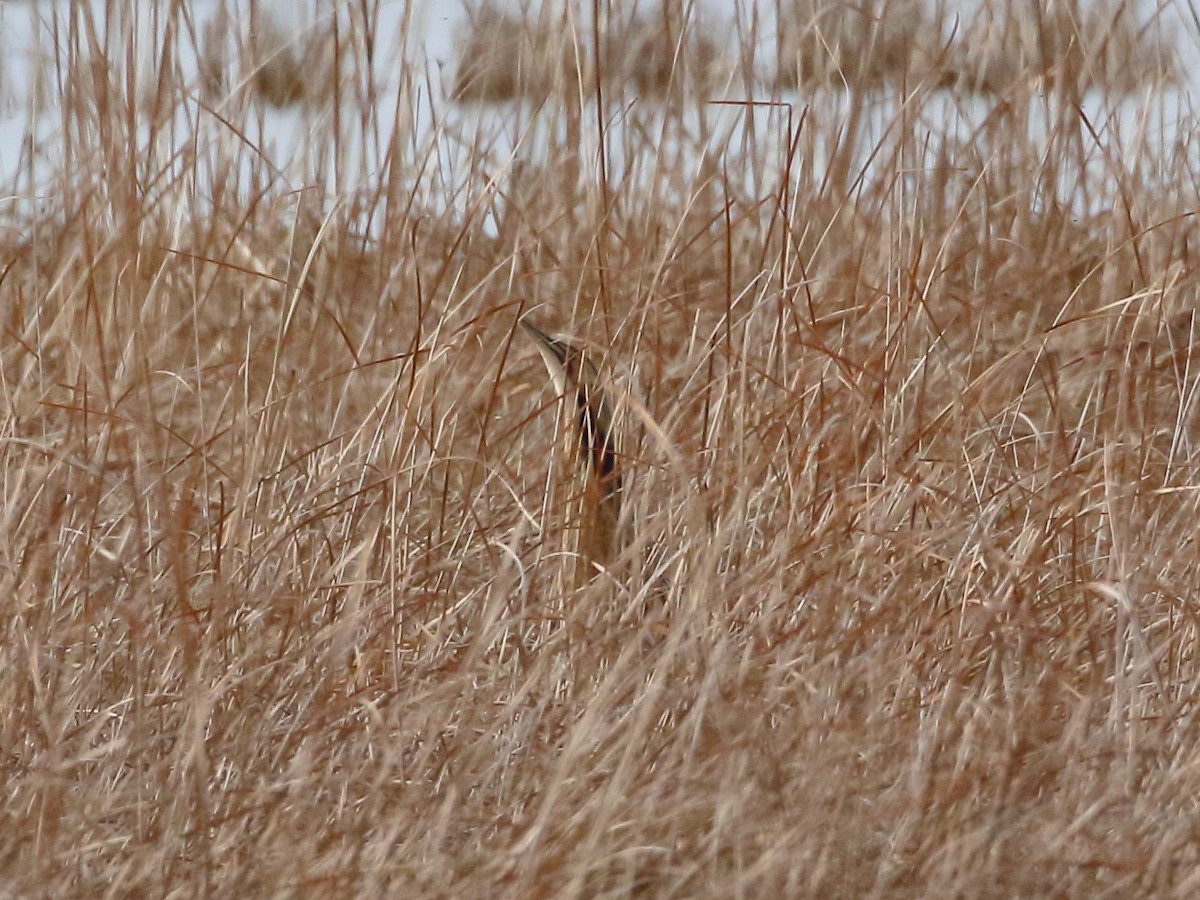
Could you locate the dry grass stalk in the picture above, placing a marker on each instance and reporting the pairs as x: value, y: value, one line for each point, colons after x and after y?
x: 288, y: 68
x: 831, y: 43
x: 669, y: 52
x: 1061, y: 42
x: 214, y: 59
x: 502, y: 56
x: 282, y: 608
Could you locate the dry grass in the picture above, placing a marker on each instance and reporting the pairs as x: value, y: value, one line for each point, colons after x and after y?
x: 502, y: 55
x: 827, y: 43
x: 908, y: 602
x: 1099, y: 43
x: 997, y: 47
x: 670, y: 50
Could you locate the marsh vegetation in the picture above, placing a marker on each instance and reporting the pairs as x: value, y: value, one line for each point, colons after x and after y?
x: 906, y: 602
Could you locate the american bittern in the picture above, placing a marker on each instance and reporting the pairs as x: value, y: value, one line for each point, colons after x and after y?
x: 593, y: 455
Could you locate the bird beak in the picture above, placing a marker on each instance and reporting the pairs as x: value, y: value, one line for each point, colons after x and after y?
x: 553, y: 353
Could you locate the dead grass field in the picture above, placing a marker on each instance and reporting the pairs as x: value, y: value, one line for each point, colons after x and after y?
x: 908, y: 601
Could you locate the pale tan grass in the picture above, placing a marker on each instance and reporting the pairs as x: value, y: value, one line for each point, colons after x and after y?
x: 669, y: 51
x: 829, y: 43
x: 910, y: 601
x: 502, y: 55
x: 287, y: 66
x: 666, y: 52
x: 1067, y: 43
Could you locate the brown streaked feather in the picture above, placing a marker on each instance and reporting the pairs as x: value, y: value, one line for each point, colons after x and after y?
x: 576, y: 378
